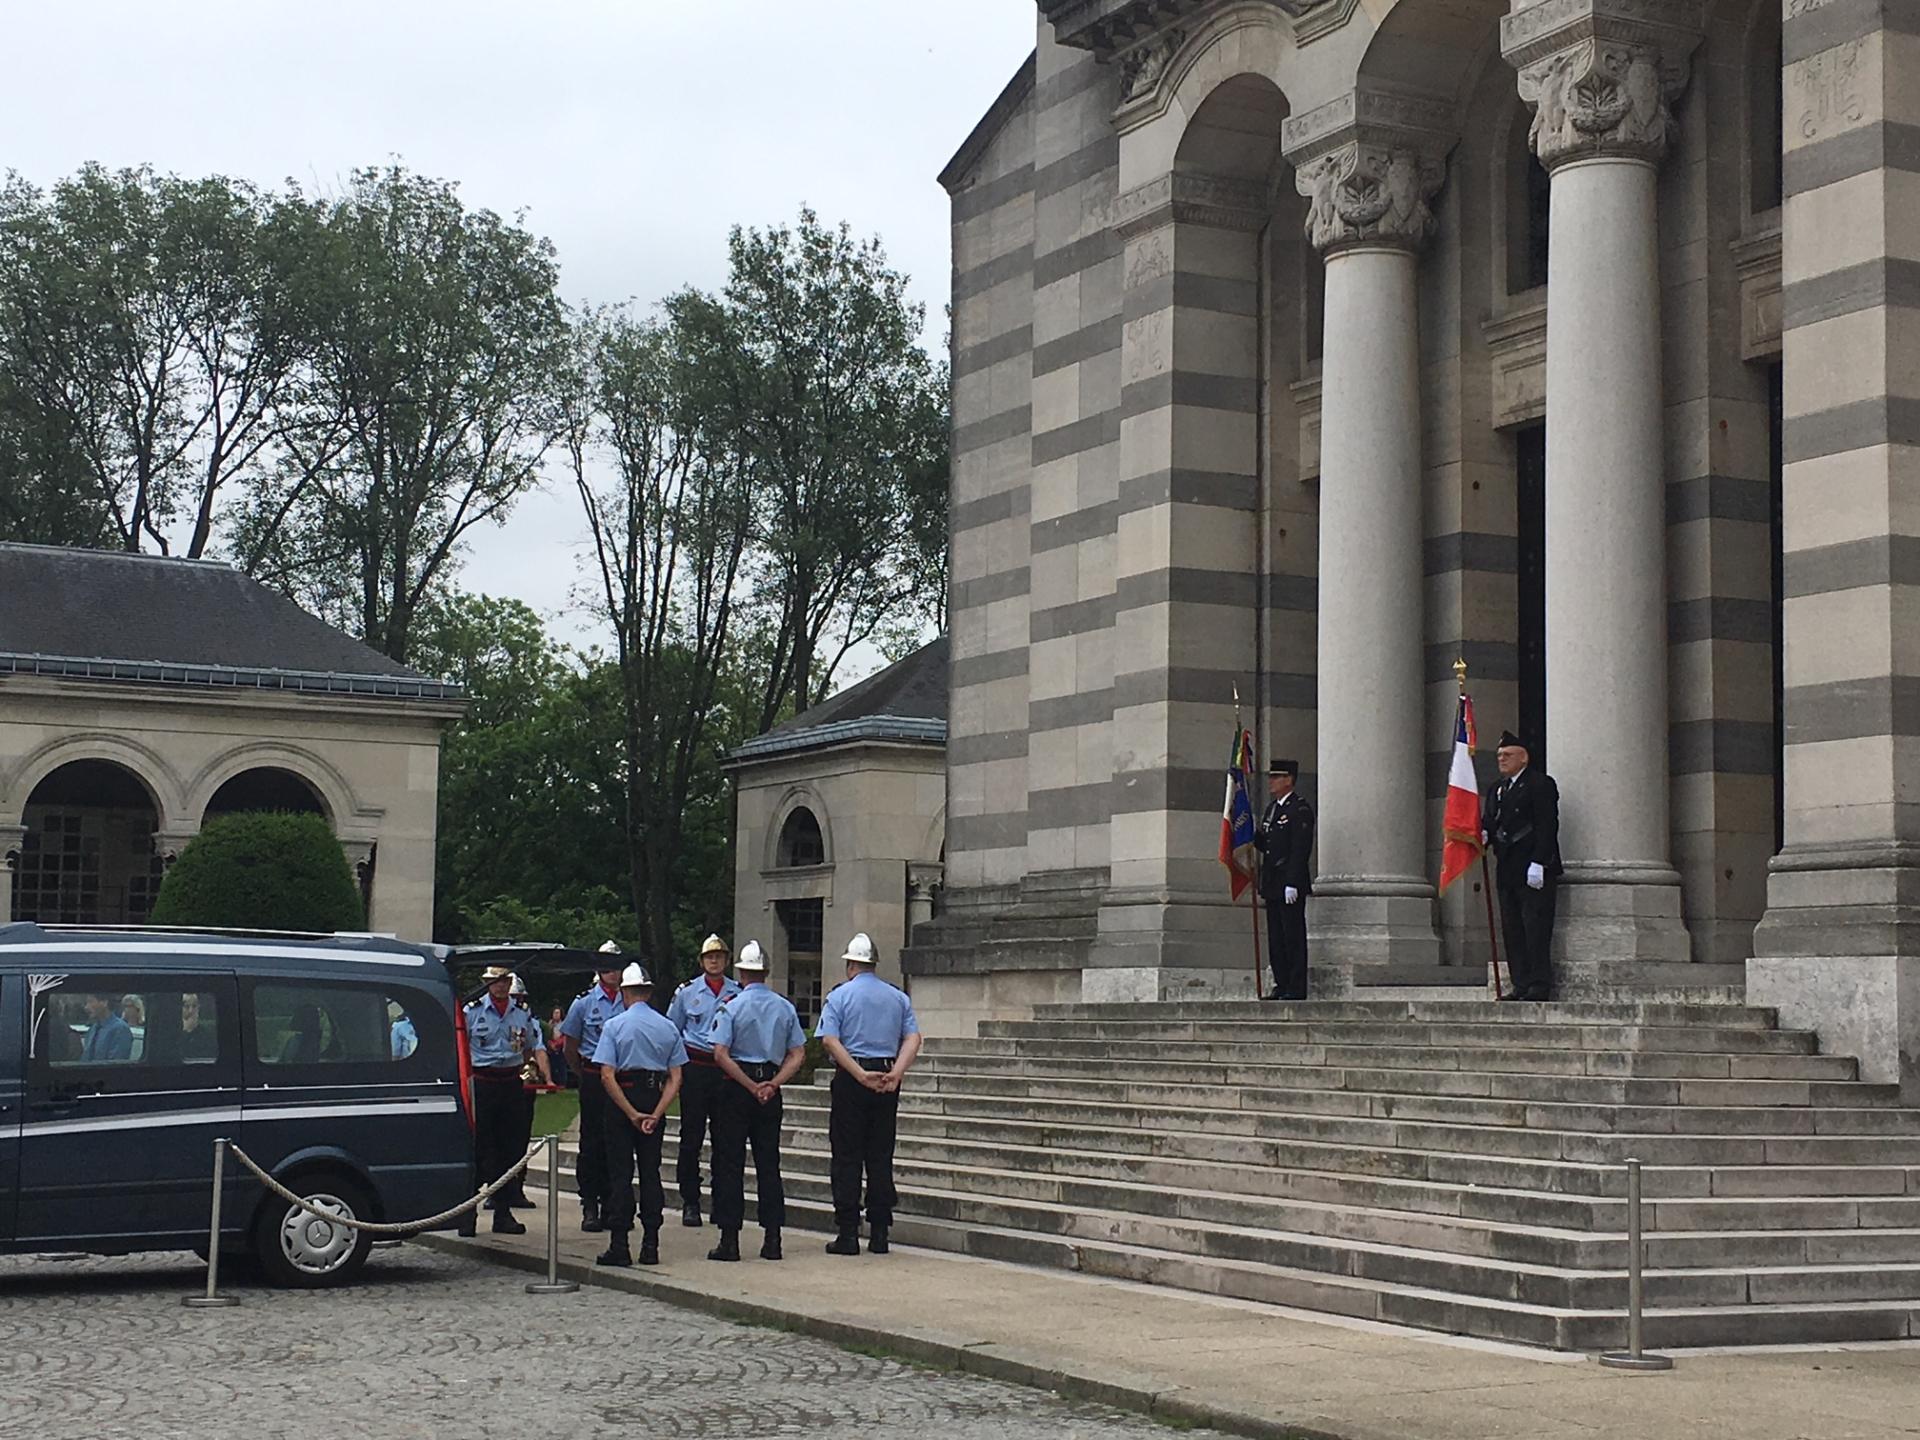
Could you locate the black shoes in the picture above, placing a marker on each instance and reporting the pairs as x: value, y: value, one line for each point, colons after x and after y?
x: 847, y: 1242
x: 467, y: 1228
x: 616, y: 1255
x: 505, y: 1224
x: 728, y: 1248
x: 650, y: 1247
x: 877, y: 1241
x: 770, y: 1247
x: 690, y: 1215
x: 592, y: 1222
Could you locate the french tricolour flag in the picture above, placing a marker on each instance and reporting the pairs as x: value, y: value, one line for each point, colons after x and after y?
x: 1462, y: 828
x: 1236, y: 816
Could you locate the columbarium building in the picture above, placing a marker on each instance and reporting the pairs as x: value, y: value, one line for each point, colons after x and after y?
x: 1302, y: 347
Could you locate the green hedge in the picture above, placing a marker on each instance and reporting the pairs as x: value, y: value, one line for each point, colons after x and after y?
x: 262, y: 871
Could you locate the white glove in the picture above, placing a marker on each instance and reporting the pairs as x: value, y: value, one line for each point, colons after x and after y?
x: 1293, y: 895
x: 1536, y: 877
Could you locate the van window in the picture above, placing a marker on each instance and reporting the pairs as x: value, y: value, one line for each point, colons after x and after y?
x: 125, y: 1021
x: 310, y: 1024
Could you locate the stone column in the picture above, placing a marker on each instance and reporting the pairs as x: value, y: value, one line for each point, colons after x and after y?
x: 1369, y: 164
x: 1601, y: 77
x: 12, y: 837
x: 1838, y: 951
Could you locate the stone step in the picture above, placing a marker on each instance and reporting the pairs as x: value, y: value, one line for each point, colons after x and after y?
x: 1147, y: 1033
x: 1449, y: 1010
x: 1690, y: 1065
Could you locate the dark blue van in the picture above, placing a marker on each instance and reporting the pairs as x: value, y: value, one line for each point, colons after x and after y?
x: 123, y: 1054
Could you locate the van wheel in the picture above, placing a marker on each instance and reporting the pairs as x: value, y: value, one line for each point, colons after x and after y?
x: 303, y: 1252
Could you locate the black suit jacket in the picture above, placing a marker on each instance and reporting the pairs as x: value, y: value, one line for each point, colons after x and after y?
x: 1522, y: 819
x: 1285, y: 843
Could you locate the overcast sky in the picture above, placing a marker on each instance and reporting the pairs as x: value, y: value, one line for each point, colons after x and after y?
x: 633, y: 133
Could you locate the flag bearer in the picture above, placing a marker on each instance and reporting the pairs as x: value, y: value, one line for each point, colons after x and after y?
x: 501, y: 1034
x: 758, y: 1044
x: 1522, y: 820
x: 871, y: 1033
x: 692, y: 1012
x: 641, y: 1058
x: 1285, y: 843
x: 592, y: 1008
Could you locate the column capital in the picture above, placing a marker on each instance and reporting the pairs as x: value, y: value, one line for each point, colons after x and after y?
x: 1601, y: 75
x: 1211, y: 201
x: 1370, y: 163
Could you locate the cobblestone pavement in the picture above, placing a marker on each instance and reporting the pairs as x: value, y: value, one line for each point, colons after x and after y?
x: 430, y: 1345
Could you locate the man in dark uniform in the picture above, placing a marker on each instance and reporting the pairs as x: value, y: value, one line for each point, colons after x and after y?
x: 1521, y: 818
x: 501, y: 1035
x: 1285, y: 843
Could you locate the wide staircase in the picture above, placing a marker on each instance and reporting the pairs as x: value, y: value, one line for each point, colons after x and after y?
x: 1453, y: 1166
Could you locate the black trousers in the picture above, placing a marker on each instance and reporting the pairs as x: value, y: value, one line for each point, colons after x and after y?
x: 860, y: 1135
x: 496, y: 1132
x: 740, y: 1120
x: 700, y: 1088
x: 1287, y: 945
x: 1526, y: 924
x: 590, y: 1170
x: 626, y: 1150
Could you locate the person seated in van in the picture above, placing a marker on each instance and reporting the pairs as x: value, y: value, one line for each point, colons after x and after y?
x: 199, y: 1045
x: 109, y: 1037
x: 303, y: 1045
x: 403, y: 1039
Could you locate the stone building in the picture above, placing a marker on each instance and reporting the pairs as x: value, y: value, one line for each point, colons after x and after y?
x: 1304, y: 346
x: 140, y: 695
x: 839, y: 826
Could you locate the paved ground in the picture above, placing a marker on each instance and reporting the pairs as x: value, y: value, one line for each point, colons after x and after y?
x: 444, y: 1347
x: 1258, y: 1369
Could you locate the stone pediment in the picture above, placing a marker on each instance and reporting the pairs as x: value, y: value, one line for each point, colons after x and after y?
x: 1108, y: 27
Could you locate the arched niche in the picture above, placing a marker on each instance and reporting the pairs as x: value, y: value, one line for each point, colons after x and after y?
x: 267, y: 787
x: 87, y: 854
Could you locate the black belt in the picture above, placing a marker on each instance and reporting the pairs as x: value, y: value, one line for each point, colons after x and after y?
x: 640, y: 1077
x: 700, y: 1057
x: 759, y: 1069
x: 874, y: 1062
x: 498, y: 1072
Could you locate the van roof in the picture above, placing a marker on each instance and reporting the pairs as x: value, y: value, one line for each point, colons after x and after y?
x: 24, y: 939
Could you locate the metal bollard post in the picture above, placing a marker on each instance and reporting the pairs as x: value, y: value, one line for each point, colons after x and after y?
x: 213, y: 1299
x: 1633, y: 1357
x: 553, y: 1284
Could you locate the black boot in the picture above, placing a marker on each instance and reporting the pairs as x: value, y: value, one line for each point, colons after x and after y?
x: 728, y: 1248
x: 468, y: 1229
x: 877, y: 1240
x: 505, y: 1224
x: 590, y: 1221
x: 770, y: 1247
x: 616, y: 1254
x: 650, y: 1247
x: 847, y: 1242
x: 690, y: 1215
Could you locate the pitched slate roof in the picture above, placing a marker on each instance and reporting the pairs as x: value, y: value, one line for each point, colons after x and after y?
x: 110, y: 615
x: 906, y: 703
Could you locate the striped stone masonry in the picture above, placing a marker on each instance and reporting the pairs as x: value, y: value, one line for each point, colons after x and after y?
x: 1839, y: 948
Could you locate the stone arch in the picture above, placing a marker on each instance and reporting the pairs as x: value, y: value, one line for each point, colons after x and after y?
x: 335, y: 793
x: 798, y: 797
x: 161, y: 782
x: 1251, y: 38
x: 1437, y: 50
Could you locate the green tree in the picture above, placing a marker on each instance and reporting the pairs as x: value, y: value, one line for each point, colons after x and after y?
x: 433, y: 336
x: 262, y: 870
x: 142, y: 349
x: 841, y: 420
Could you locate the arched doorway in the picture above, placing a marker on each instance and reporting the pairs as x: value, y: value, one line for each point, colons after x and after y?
x: 803, y: 919
x: 266, y: 787
x: 88, y: 856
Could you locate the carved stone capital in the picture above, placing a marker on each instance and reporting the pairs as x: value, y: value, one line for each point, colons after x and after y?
x: 1210, y: 201
x: 1602, y: 75
x: 1370, y: 163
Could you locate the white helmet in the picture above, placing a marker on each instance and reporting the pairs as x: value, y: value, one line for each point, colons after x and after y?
x: 752, y: 958
x: 518, y: 987
x: 860, y: 950
x: 609, y: 948
x: 633, y: 975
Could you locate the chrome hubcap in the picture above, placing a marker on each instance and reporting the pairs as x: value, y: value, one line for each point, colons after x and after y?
x: 313, y: 1245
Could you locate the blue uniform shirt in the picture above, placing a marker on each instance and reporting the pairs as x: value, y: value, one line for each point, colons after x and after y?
x: 587, y: 1017
x: 494, y: 1039
x: 404, y: 1038
x: 868, y: 1016
x: 641, y: 1038
x: 107, y: 1040
x: 694, y: 1008
x: 758, y: 1026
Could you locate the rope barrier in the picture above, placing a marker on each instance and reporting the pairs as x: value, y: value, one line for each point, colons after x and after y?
x: 409, y: 1227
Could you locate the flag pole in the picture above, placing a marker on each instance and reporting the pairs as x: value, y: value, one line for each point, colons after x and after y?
x: 1486, y: 880
x: 1253, y: 890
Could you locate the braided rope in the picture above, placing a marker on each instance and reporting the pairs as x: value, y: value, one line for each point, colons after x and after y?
x: 409, y: 1227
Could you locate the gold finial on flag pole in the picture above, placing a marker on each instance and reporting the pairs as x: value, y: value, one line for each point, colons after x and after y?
x: 1460, y: 674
